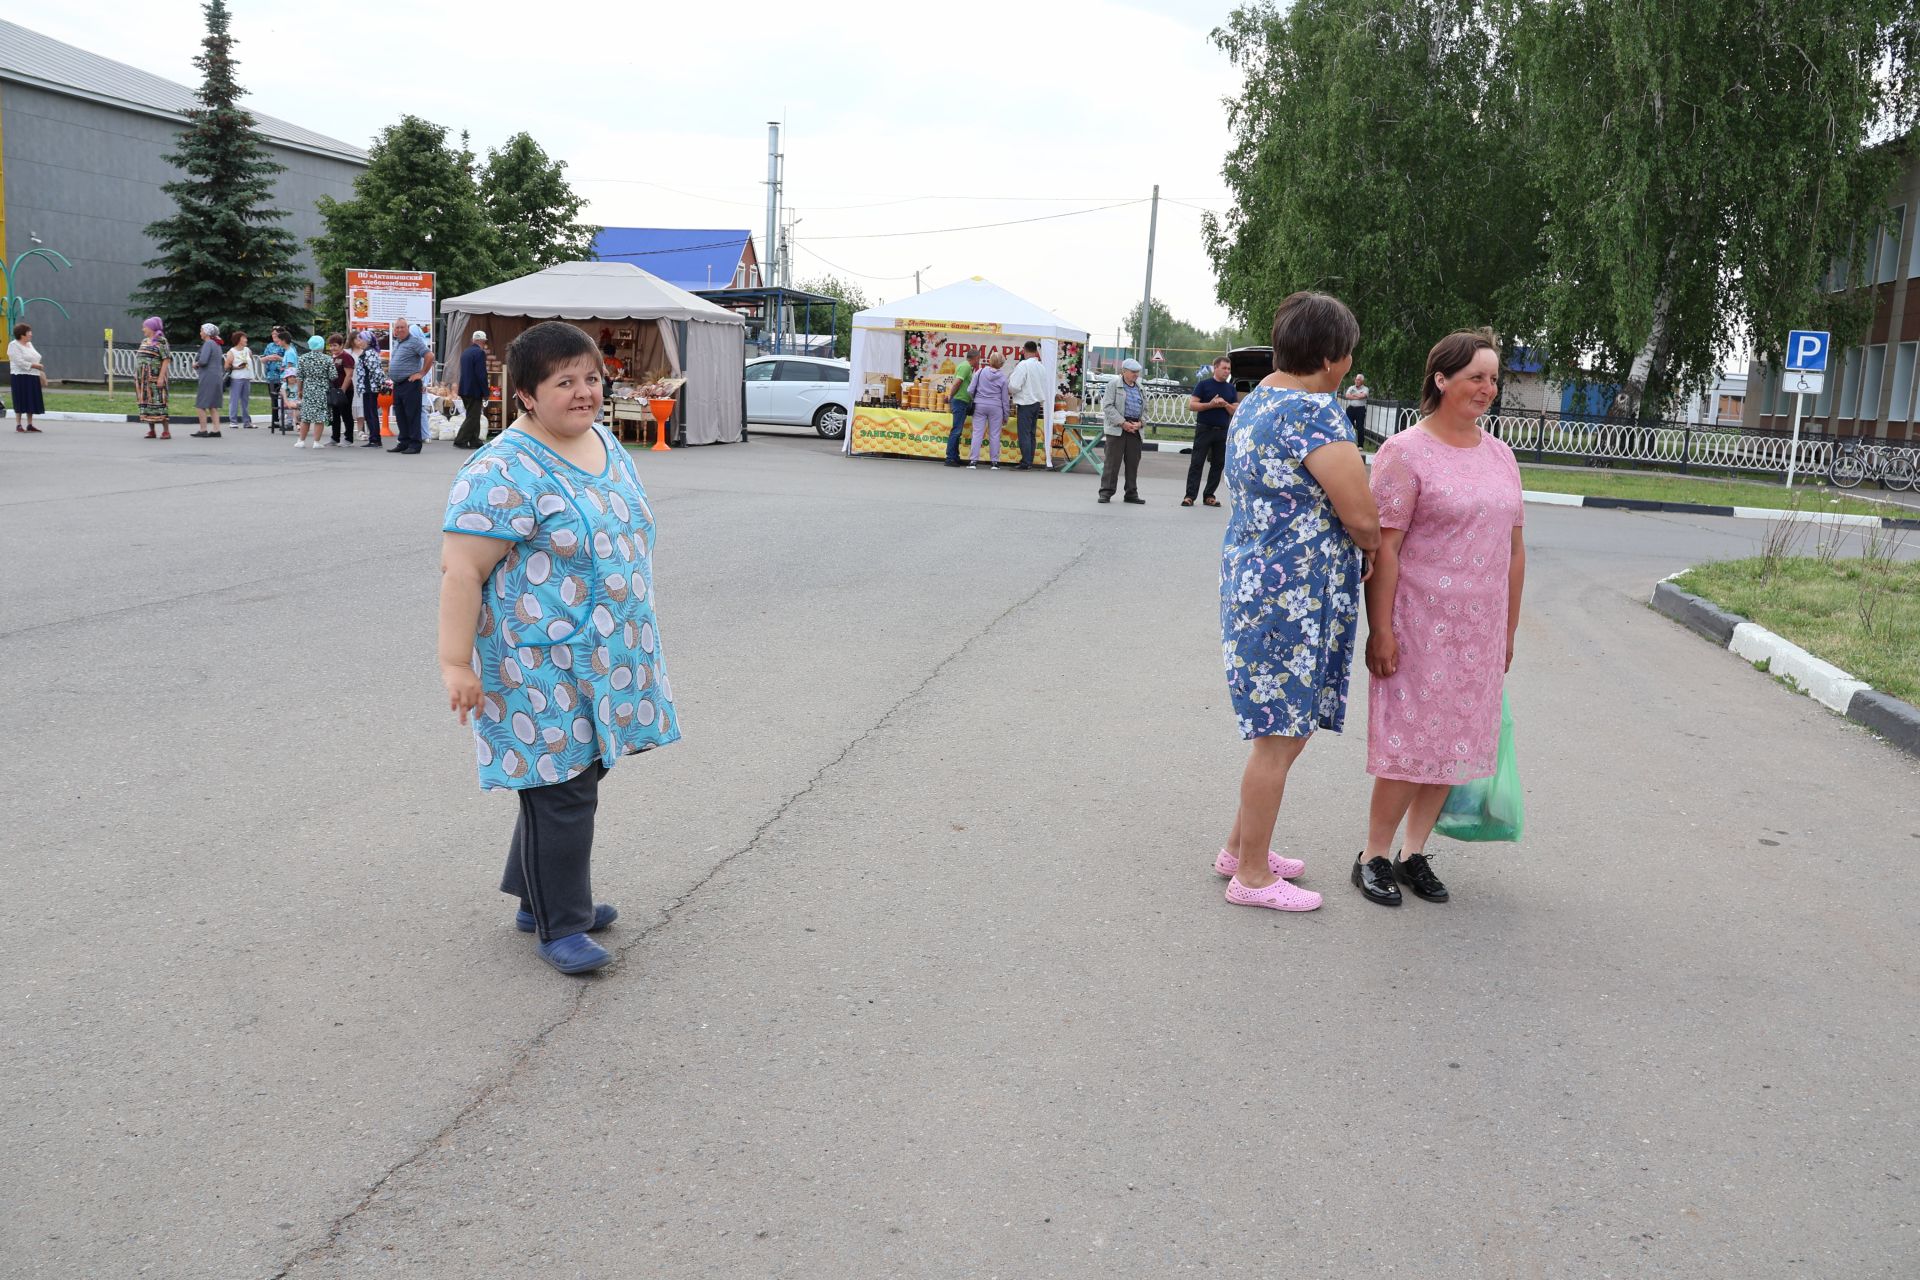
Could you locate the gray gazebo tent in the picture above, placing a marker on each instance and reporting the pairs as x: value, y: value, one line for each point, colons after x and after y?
x: 697, y: 340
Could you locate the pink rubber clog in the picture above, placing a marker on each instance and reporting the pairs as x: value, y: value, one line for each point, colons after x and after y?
x: 1278, y: 896
x: 1286, y: 868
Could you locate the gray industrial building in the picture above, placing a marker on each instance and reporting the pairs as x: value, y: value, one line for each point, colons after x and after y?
x: 81, y: 141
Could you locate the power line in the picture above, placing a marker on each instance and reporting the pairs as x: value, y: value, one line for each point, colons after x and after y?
x: 982, y: 226
x: 849, y: 270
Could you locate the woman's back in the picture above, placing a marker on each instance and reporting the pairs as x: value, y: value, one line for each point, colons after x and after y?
x: 1272, y: 434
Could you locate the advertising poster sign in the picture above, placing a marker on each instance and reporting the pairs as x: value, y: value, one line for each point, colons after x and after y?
x: 375, y: 299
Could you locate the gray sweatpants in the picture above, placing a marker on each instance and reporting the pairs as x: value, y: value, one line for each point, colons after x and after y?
x: 549, y: 867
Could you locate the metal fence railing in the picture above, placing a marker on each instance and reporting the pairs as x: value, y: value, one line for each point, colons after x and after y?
x: 1575, y: 439
x: 122, y: 362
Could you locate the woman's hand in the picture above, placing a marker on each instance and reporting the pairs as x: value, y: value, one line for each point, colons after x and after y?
x: 1509, y: 666
x: 1366, y: 567
x: 463, y: 689
x: 1383, y: 653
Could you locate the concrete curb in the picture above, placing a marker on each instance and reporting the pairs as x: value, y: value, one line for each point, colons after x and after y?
x: 1893, y: 719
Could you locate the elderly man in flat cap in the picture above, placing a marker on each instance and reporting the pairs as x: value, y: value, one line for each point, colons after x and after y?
x: 473, y: 390
x: 1122, y: 407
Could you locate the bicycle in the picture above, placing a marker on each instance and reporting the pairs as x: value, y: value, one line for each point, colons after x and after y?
x: 1853, y: 462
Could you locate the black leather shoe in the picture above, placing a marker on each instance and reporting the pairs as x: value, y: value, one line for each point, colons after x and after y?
x: 1374, y: 878
x: 1136, y: 500
x: 399, y: 448
x: 1106, y: 497
x: 1415, y: 872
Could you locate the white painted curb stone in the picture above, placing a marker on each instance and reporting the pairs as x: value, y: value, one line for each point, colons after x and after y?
x: 1824, y: 682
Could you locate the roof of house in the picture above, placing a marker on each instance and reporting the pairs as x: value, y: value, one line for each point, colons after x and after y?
x: 27, y: 57
x: 693, y: 259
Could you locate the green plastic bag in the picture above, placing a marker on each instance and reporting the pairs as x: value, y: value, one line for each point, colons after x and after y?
x: 1492, y: 808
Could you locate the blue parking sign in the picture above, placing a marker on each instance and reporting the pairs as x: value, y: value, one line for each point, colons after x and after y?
x: 1807, y: 350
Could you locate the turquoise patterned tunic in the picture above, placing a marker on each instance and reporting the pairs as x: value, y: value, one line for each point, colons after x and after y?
x: 568, y: 648
x: 1289, y: 575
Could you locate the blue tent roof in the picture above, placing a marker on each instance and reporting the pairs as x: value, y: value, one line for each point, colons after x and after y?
x: 690, y: 259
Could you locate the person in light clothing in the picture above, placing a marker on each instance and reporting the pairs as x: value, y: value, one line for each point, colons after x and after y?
x: 1123, y: 408
x: 989, y: 410
x: 239, y: 361
x: 1357, y: 396
x: 28, y: 377
x: 1032, y: 391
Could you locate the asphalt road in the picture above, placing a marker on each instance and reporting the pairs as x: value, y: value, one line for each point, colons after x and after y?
x: 922, y: 968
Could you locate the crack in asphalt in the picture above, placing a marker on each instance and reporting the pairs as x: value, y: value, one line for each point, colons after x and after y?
x: 523, y: 1061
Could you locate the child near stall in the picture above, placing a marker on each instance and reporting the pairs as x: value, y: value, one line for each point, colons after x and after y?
x: 548, y: 638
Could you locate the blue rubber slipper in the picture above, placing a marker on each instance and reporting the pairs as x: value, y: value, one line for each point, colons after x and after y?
x: 603, y: 915
x: 575, y: 953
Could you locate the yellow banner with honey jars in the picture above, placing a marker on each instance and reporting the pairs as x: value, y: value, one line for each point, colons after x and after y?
x: 919, y: 433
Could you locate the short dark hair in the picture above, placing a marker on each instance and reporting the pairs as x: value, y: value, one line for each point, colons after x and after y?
x: 537, y: 352
x: 334, y: 339
x: 1222, y: 359
x: 22, y: 329
x: 1033, y: 347
x: 237, y: 337
x: 1309, y: 329
x: 1449, y: 356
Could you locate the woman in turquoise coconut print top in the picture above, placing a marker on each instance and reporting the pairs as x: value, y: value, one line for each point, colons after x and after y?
x: 548, y: 638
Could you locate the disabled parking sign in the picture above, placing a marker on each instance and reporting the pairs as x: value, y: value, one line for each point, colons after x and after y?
x: 1807, y: 350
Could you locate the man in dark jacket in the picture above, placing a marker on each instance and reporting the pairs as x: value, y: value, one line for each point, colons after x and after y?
x: 473, y: 390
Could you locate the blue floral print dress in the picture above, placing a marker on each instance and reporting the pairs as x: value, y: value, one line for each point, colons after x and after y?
x: 1289, y: 575
x: 568, y: 648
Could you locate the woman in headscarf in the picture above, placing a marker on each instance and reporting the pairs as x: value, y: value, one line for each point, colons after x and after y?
x: 211, y: 365
x: 316, y: 376
x: 368, y: 374
x: 150, y: 375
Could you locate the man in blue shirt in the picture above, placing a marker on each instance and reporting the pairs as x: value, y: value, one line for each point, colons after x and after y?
x: 1212, y: 403
x: 273, y: 359
x: 473, y: 390
x: 407, y: 367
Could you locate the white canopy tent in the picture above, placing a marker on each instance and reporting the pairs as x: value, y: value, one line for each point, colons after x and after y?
x: 704, y: 343
x: 975, y: 307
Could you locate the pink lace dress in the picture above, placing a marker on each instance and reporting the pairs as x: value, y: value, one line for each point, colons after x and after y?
x: 1437, y: 718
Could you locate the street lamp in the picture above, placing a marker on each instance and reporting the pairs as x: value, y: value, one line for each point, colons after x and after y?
x: 916, y: 277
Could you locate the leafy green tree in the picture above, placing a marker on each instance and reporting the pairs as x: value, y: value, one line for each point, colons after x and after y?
x: 223, y: 257
x: 1378, y: 156
x: 416, y: 207
x: 1704, y: 162
x: 852, y: 298
x: 532, y: 207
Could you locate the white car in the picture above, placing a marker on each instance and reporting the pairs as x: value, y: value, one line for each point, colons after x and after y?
x: 806, y: 391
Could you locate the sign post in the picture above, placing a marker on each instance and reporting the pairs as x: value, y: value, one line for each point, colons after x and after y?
x: 109, y: 342
x: 1806, y: 374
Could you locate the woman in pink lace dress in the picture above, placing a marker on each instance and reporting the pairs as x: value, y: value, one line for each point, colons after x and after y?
x: 1441, y: 611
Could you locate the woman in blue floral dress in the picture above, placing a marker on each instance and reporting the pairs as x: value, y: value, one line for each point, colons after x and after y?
x: 548, y: 636
x: 1296, y: 552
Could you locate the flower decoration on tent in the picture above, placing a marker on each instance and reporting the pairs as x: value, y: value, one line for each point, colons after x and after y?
x: 920, y: 348
x: 1070, y: 357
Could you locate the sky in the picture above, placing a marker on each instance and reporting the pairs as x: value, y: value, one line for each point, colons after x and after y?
x: 900, y: 121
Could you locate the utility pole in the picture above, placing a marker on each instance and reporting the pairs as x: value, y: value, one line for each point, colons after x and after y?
x: 1146, y: 302
x: 769, y: 277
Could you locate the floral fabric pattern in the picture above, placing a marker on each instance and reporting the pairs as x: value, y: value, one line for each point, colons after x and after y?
x: 316, y: 375
x: 1289, y: 575
x: 568, y: 649
x: 1436, y: 719
x: 151, y: 372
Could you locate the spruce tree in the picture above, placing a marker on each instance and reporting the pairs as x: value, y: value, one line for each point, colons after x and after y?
x: 223, y: 255
x: 415, y: 207
x: 534, y: 209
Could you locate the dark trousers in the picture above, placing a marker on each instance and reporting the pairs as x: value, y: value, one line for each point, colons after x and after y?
x: 370, y: 405
x: 1123, y: 448
x: 406, y: 413
x: 1357, y: 417
x: 469, y: 437
x: 549, y: 866
x: 1209, y: 451
x: 1027, y: 423
x: 961, y: 409
x: 340, y: 411
x: 273, y: 406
